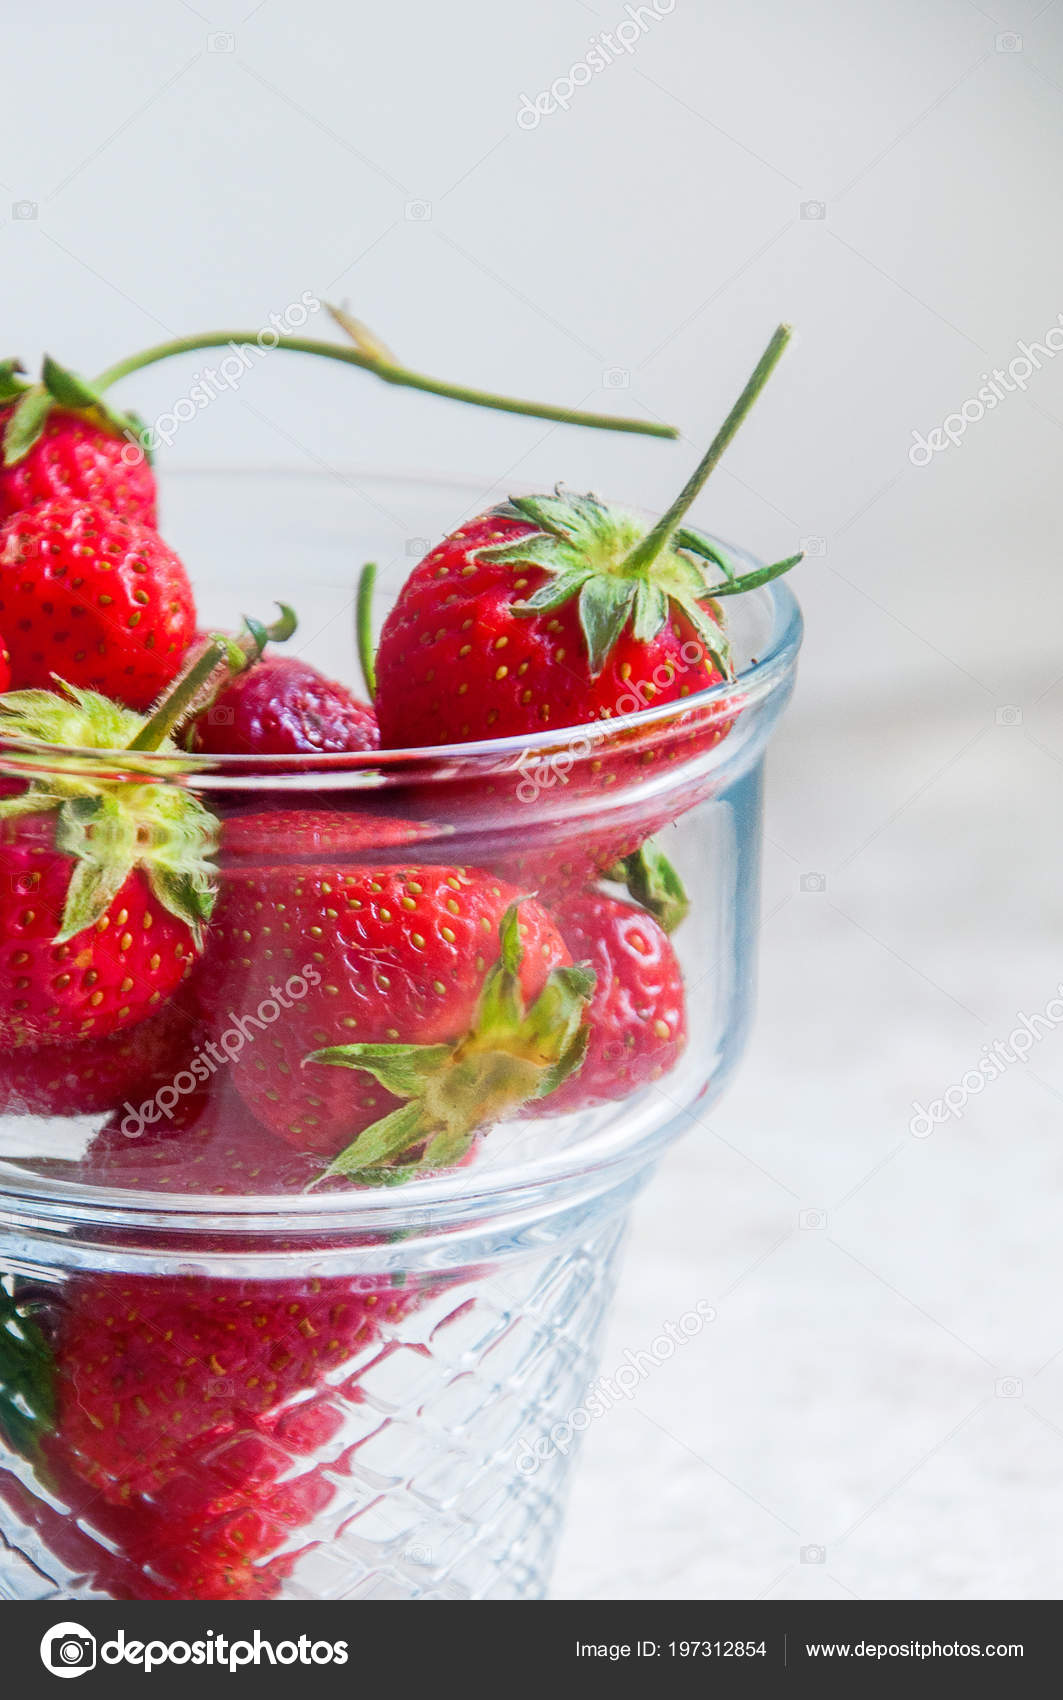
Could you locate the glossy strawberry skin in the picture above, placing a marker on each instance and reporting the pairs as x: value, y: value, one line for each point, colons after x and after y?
x: 637, y: 1015
x: 401, y: 955
x: 5, y: 667
x: 95, y: 598
x: 456, y: 664
x: 74, y: 460
x: 110, y: 976
x: 282, y: 706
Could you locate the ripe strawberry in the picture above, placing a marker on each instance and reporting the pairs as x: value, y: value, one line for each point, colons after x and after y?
x: 92, y: 1076
x: 176, y: 1414
x: 637, y: 1014
x: 432, y: 1001
x: 283, y: 706
x: 74, y: 459
x: 314, y: 835
x: 209, y: 1143
x: 98, y: 600
x: 105, y: 885
x: 558, y: 611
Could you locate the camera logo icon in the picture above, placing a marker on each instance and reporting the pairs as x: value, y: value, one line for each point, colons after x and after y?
x: 616, y: 378
x: 813, y: 882
x: 1009, y: 714
x: 23, y: 209
x: 813, y: 1554
x: 417, y: 546
x: 68, y: 1650
x: 418, y: 212
x: 812, y: 1221
x: 221, y: 42
x: 813, y: 546
x: 1008, y: 42
x: 1009, y: 1387
x: 814, y: 209
x: 220, y: 716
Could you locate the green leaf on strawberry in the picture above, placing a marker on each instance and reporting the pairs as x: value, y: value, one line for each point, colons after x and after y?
x: 108, y: 830
x: 513, y: 1053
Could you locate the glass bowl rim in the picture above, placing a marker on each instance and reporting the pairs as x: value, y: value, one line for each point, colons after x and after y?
x: 756, y: 682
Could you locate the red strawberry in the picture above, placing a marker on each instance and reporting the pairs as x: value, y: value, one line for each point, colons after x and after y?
x: 74, y: 459
x: 209, y: 1144
x: 5, y: 666
x: 98, y: 600
x: 105, y: 885
x: 178, y: 1415
x: 283, y: 706
x: 637, y: 1013
x: 557, y: 611
x: 314, y: 835
x: 96, y: 1075
x: 421, y: 1004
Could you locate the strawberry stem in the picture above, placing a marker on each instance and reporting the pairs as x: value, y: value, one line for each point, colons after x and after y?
x: 387, y: 370
x: 215, y: 666
x: 657, y: 539
x: 364, y: 626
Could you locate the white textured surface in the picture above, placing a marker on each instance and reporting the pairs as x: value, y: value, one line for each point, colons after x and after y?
x: 846, y: 1393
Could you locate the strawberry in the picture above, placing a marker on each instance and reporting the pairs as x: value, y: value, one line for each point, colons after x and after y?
x: 93, y: 1076
x: 105, y: 885
x: 211, y: 1145
x: 637, y: 1014
x: 177, y: 1415
x: 97, y: 599
x: 559, y: 611
x: 5, y: 666
x: 313, y: 835
x: 431, y: 1002
x: 76, y: 460
x: 283, y: 706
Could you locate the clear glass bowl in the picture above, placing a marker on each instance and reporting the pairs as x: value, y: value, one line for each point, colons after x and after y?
x: 250, y: 1390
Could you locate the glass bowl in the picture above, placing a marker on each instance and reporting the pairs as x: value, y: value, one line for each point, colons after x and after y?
x: 222, y: 1377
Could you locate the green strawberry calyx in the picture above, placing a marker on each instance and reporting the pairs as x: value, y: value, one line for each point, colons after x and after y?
x: 625, y: 574
x: 514, y: 1052
x: 27, y: 1395
x: 654, y: 883
x: 110, y: 826
x: 58, y: 387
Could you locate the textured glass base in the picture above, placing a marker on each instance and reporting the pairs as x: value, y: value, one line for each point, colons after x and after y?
x: 434, y: 1487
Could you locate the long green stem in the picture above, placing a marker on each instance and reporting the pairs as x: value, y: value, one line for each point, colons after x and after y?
x: 364, y: 626
x: 658, y: 538
x: 383, y: 369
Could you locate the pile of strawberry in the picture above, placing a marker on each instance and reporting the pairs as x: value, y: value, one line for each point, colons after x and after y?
x: 393, y: 1003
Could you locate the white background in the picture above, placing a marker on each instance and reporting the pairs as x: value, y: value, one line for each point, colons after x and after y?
x: 195, y: 166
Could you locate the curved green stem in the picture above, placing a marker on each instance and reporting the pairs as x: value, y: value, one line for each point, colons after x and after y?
x: 387, y: 371
x: 364, y: 626
x: 658, y: 538
x: 214, y: 668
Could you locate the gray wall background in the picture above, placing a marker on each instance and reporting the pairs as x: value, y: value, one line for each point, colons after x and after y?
x: 878, y: 1408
